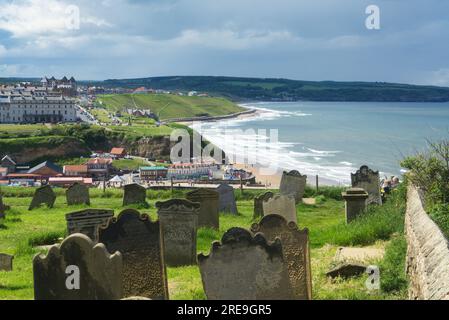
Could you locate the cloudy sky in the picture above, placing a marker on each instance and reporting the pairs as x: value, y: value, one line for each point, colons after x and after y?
x: 298, y: 39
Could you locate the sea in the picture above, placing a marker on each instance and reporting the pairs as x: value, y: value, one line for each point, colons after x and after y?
x: 331, y: 139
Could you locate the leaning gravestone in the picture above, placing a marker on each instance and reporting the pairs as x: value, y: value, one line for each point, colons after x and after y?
x: 209, y: 213
x: 6, y: 262
x: 226, y: 199
x: 77, y: 194
x: 43, y: 195
x: 179, y: 221
x: 296, y: 251
x: 243, y: 267
x: 77, y: 269
x: 134, y: 194
x: 368, y: 180
x: 281, y: 205
x: 258, y: 204
x: 88, y: 221
x: 141, y: 245
x: 293, y: 184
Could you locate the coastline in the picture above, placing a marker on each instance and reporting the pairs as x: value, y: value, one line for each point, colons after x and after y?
x: 249, y: 112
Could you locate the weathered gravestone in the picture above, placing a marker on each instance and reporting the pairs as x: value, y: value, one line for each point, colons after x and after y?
x: 369, y: 181
x: 77, y: 194
x: 77, y: 269
x: 296, y: 251
x: 3, y: 207
x: 134, y: 194
x: 88, y: 221
x: 226, y: 199
x: 281, y: 205
x: 43, y: 195
x: 258, y: 203
x: 209, y: 213
x: 293, y: 184
x: 139, y: 241
x: 243, y: 267
x: 6, y: 262
x: 179, y: 221
x: 355, y: 203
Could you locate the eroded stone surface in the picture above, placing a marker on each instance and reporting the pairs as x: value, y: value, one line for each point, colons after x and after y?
x: 281, y: 205
x: 243, y: 267
x: 293, y: 184
x: 134, y: 194
x: 369, y: 181
x: 179, y: 221
x: 258, y: 204
x: 209, y: 213
x: 6, y: 262
x: 88, y: 221
x: 139, y: 241
x: 227, y: 202
x: 78, y: 194
x: 43, y: 195
x: 295, y: 248
x: 100, y: 274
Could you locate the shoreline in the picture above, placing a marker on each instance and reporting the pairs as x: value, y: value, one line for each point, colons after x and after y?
x: 248, y: 113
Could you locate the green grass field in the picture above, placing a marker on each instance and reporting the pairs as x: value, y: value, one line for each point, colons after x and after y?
x: 169, y: 106
x: 24, y: 230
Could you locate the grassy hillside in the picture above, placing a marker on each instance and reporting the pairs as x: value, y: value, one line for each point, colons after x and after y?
x: 168, y: 106
x: 264, y: 89
x: 25, y: 230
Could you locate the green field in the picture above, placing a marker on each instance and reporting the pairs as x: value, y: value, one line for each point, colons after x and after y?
x: 169, y: 106
x: 380, y: 227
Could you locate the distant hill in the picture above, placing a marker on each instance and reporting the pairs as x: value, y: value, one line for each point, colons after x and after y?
x: 261, y: 89
x: 272, y: 89
x: 170, y: 106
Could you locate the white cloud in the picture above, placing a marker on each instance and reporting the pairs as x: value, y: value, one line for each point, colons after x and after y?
x: 28, y: 18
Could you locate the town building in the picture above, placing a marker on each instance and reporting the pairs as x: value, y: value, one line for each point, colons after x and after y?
x: 46, y: 169
x: 69, y: 181
x: 187, y: 171
x: 66, y: 87
x: 75, y: 171
x: 154, y: 173
x: 99, y: 167
x: 34, y: 105
x: 118, y: 153
x: 8, y: 164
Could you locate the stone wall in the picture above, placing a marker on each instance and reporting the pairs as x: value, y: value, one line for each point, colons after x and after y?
x: 427, y: 253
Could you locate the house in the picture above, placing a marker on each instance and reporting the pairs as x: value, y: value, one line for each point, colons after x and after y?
x: 9, y: 164
x: 76, y: 171
x: 99, y: 167
x: 186, y: 171
x: 118, y: 152
x: 46, y: 169
x: 153, y: 173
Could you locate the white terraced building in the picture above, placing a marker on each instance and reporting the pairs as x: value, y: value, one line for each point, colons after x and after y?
x: 35, y: 106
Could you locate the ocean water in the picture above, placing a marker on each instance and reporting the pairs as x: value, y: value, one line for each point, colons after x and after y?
x: 332, y: 139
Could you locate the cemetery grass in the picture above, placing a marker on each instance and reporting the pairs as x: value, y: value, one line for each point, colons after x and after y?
x: 25, y: 230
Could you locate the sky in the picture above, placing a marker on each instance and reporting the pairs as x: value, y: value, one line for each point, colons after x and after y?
x: 296, y: 39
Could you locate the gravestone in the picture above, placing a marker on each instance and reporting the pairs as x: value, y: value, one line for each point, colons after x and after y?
x: 296, y: 251
x: 258, y: 204
x: 369, y: 181
x: 6, y: 262
x: 281, y: 205
x: 226, y: 199
x: 293, y: 184
x: 78, y: 258
x: 139, y: 241
x: 243, y: 267
x: 179, y: 221
x: 43, y: 195
x: 3, y: 207
x: 355, y: 203
x: 134, y: 194
x: 77, y: 194
x: 88, y: 221
x: 209, y: 213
